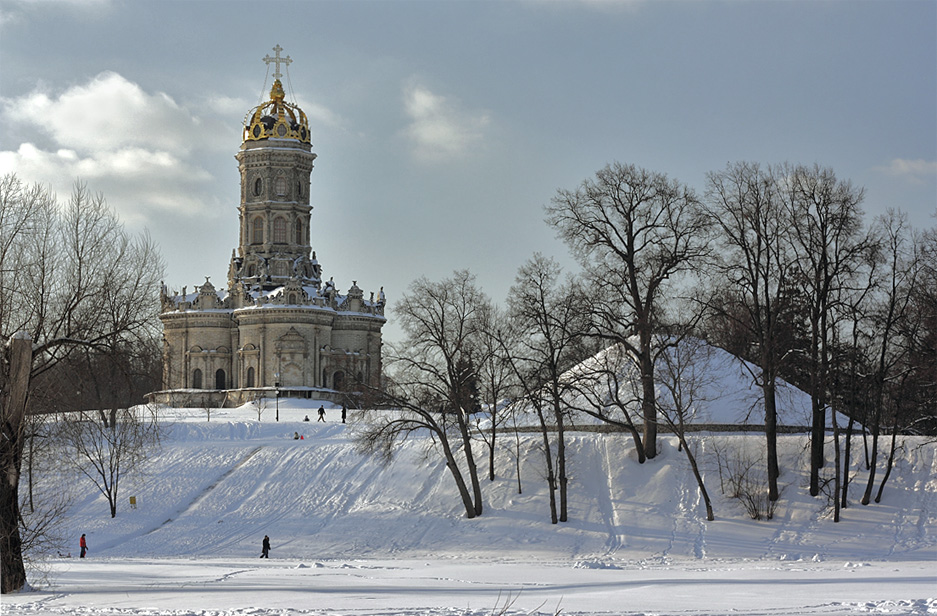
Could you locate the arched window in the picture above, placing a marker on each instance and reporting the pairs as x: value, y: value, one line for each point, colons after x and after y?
x: 299, y: 189
x: 325, y: 378
x: 257, y: 235
x: 279, y: 268
x: 281, y: 186
x: 250, y: 376
x: 219, y: 379
x: 338, y: 380
x: 299, y: 232
x: 292, y: 299
x: 258, y: 187
x: 197, y: 379
x: 279, y: 230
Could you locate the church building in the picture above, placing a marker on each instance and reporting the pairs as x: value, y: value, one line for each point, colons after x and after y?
x: 277, y: 325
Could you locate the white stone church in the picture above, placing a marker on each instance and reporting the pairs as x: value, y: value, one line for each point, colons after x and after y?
x: 277, y: 326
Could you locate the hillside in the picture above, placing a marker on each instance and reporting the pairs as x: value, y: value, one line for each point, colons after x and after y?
x: 217, y: 487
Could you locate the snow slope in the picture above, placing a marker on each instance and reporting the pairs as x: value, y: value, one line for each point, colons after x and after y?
x: 376, y: 534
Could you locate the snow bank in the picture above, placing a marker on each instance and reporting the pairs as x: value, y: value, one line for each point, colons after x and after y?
x: 217, y: 487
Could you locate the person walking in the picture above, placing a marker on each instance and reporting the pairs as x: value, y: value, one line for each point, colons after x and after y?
x: 321, y: 413
x: 266, y: 547
x: 83, y: 545
x: 344, y: 412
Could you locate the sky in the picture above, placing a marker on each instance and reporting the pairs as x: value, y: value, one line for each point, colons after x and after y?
x: 442, y: 129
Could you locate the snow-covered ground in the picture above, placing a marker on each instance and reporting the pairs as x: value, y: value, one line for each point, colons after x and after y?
x: 351, y: 536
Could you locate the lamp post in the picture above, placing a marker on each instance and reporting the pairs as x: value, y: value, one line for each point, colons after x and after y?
x: 277, y: 385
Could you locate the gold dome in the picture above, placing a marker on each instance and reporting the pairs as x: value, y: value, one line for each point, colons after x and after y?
x: 277, y: 119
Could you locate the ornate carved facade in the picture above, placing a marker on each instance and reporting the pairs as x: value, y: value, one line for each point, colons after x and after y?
x: 277, y: 322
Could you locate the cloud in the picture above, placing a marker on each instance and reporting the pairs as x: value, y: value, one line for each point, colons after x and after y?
x: 139, y: 184
x: 917, y: 170
x: 138, y: 148
x: 439, y: 128
x: 14, y: 12
x: 107, y: 113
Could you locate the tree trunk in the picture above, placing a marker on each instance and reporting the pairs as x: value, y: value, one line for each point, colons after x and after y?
x: 865, y: 446
x: 517, y: 458
x: 548, y: 455
x: 771, y: 435
x: 491, y: 450
x: 470, y: 461
x: 648, y: 403
x: 459, y: 480
x: 891, y: 459
x: 699, y: 478
x: 837, y: 470
x: 846, y: 461
x: 638, y: 445
x: 873, y: 461
x: 561, y: 463
x: 13, y: 413
x: 817, y: 415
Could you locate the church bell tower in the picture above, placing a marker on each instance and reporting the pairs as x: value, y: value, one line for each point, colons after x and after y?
x: 275, y: 162
x: 277, y: 325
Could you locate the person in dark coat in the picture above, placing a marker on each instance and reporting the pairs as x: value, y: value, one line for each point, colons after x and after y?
x: 266, y: 547
x: 321, y: 413
x: 344, y: 413
x: 83, y: 545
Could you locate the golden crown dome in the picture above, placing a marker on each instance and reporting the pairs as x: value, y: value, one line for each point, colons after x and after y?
x: 277, y: 119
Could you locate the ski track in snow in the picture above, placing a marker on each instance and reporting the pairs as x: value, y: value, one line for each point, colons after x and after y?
x: 607, y: 505
x: 204, y: 494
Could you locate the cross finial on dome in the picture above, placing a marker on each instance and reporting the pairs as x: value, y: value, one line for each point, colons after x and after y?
x: 278, y: 60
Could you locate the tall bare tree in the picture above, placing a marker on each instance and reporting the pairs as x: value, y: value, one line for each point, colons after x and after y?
x: 550, y: 315
x: 827, y: 236
x: 494, y: 378
x: 635, y: 232
x: 754, y: 227
x: 431, y: 377
x: 891, y: 306
x: 70, y: 277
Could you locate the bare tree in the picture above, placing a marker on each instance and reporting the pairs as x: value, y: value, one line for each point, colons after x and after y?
x: 550, y: 317
x: 433, y: 377
x: 260, y: 404
x: 107, y: 453
x: 851, y: 367
x: 683, y: 372
x: 924, y: 342
x: 494, y: 378
x: 69, y: 278
x: 754, y: 226
x: 826, y: 233
x: 635, y: 231
x: 507, y: 336
x: 891, y: 305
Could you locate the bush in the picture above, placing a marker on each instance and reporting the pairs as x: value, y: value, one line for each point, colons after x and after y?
x: 743, y: 476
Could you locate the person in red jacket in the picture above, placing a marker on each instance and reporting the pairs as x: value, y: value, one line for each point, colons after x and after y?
x: 84, y: 546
